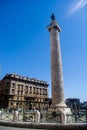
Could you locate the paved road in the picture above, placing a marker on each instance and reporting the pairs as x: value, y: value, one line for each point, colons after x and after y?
x: 14, y: 128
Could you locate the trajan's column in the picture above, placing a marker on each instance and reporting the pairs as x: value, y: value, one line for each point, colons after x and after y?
x: 56, y: 66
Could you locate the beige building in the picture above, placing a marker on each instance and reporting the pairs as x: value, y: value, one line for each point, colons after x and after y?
x: 23, y: 92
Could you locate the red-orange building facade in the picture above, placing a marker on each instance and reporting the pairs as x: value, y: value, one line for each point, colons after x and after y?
x: 23, y: 92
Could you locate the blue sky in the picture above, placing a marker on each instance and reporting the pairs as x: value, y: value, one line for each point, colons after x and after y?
x: 25, y: 41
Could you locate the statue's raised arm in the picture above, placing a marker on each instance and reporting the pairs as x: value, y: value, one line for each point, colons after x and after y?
x: 52, y: 17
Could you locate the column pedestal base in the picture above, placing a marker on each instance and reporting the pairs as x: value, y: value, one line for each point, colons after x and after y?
x: 55, y: 107
x: 60, y: 113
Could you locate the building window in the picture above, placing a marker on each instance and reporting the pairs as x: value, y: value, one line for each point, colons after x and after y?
x: 7, y: 85
x: 26, y: 92
x: 37, y: 91
x: 11, y: 97
x: 18, y: 92
x: 13, y: 85
x: 18, y: 86
x: 33, y: 90
x: 44, y: 91
x: 11, y: 103
x: 21, y: 92
x: 26, y: 87
x: 7, y: 91
x: 40, y: 91
x: 30, y: 88
x: 17, y: 103
x: 13, y: 92
x: 17, y: 98
x: 21, y: 86
x: 20, y: 104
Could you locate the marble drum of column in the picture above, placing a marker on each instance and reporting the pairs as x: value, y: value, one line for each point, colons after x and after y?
x: 56, y: 66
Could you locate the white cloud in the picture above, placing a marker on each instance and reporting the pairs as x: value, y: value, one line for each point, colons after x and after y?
x: 77, y: 6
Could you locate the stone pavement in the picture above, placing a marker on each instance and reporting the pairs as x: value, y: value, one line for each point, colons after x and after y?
x: 46, y: 126
x: 13, y: 128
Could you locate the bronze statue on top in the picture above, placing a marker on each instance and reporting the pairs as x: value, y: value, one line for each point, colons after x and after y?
x: 52, y: 17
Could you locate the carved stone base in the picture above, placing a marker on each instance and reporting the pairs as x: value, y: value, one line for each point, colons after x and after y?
x: 60, y: 113
x: 65, y: 115
x: 57, y: 106
x: 61, y: 105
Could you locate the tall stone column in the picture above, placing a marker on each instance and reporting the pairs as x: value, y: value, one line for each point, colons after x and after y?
x: 56, y: 66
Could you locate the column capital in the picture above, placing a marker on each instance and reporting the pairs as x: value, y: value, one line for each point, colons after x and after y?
x: 53, y: 24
